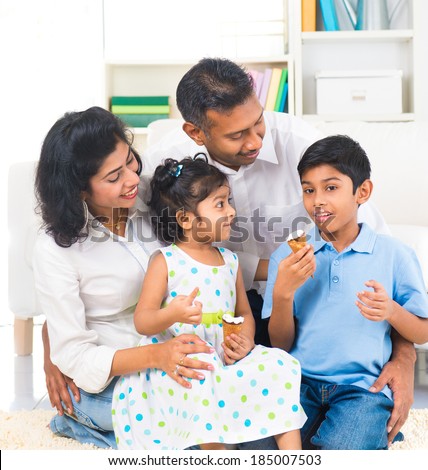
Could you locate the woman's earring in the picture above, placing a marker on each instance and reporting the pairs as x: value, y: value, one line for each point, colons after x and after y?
x: 85, y: 212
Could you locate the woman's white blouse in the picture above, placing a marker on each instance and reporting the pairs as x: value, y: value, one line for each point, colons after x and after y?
x: 88, y: 293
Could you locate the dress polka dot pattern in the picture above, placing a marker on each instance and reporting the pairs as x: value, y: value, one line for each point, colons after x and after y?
x: 254, y: 398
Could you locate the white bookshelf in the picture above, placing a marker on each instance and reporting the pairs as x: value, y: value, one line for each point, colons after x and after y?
x: 305, y: 54
x: 399, y: 48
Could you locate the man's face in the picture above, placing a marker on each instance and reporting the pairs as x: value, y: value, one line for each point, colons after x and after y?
x: 236, y: 138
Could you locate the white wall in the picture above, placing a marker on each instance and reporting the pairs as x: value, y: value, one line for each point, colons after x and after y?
x: 50, y: 59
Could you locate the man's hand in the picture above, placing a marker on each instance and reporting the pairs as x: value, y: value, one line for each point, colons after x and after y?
x: 398, y: 374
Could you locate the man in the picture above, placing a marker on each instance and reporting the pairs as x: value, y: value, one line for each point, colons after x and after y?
x: 259, y: 151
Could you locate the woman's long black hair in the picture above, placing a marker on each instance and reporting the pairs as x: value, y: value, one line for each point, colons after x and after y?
x: 72, y: 152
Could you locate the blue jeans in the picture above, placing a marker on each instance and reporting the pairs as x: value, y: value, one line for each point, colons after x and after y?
x: 91, y: 421
x: 344, y: 417
x: 340, y: 417
x: 256, y: 303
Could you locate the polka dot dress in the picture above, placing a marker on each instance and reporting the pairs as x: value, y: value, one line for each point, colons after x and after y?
x: 254, y: 398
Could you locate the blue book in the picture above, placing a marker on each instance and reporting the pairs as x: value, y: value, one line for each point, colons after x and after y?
x: 282, y: 106
x: 329, y: 15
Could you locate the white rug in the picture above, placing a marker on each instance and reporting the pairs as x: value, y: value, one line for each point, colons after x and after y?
x: 28, y: 430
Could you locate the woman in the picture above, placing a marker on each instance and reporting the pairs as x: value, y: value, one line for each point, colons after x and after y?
x: 89, y: 264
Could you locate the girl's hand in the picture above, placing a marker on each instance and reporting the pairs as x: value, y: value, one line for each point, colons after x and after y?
x: 375, y: 306
x: 240, y: 346
x: 294, y: 270
x: 175, y: 361
x: 186, y: 309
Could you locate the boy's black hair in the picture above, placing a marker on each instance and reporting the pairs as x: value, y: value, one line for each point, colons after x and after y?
x: 180, y: 185
x: 340, y: 152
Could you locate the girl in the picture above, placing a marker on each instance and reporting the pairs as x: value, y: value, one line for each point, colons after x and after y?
x: 252, y: 392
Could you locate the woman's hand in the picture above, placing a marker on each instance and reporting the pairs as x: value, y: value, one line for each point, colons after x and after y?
x: 56, y: 383
x: 175, y: 361
x: 240, y: 346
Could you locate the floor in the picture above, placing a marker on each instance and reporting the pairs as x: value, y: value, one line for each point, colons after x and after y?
x: 25, y: 388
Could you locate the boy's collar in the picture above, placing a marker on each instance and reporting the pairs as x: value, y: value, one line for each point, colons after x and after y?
x: 364, y: 243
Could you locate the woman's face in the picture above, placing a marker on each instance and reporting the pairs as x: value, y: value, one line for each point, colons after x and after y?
x: 116, y: 183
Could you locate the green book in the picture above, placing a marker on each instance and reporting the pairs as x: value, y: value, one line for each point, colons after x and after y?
x: 140, y: 109
x: 281, y: 87
x: 139, y: 100
x: 141, y: 120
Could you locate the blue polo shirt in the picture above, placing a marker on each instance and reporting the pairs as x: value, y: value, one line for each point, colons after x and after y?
x: 334, y: 342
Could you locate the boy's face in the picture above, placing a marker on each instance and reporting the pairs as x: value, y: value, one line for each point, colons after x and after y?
x: 329, y: 200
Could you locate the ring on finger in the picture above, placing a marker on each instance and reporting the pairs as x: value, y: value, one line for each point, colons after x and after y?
x: 182, y: 360
x: 176, y: 369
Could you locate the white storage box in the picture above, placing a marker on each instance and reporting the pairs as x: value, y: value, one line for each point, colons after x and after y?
x: 359, y: 92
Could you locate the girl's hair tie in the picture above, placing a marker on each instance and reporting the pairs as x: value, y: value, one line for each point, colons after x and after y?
x: 176, y: 171
x: 201, y: 156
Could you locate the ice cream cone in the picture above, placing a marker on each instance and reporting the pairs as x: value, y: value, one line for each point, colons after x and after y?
x: 231, y: 325
x: 297, y: 243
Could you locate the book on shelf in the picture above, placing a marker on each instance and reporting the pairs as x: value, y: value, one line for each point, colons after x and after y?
x: 309, y: 15
x: 329, y: 16
x: 273, y: 89
x: 282, y: 91
x: 257, y: 77
x: 139, y: 100
x: 140, y: 109
x: 346, y: 14
x: 140, y: 120
x: 265, y: 86
x: 284, y: 103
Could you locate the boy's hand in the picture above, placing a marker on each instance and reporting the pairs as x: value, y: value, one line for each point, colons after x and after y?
x: 295, y: 269
x: 240, y: 346
x: 376, y: 305
x: 186, y: 309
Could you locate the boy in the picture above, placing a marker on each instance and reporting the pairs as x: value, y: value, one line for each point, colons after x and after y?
x: 338, y: 322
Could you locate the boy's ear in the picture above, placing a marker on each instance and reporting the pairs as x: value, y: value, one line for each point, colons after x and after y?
x: 194, y: 132
x: 364, y: 191
x: 183, y: 219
